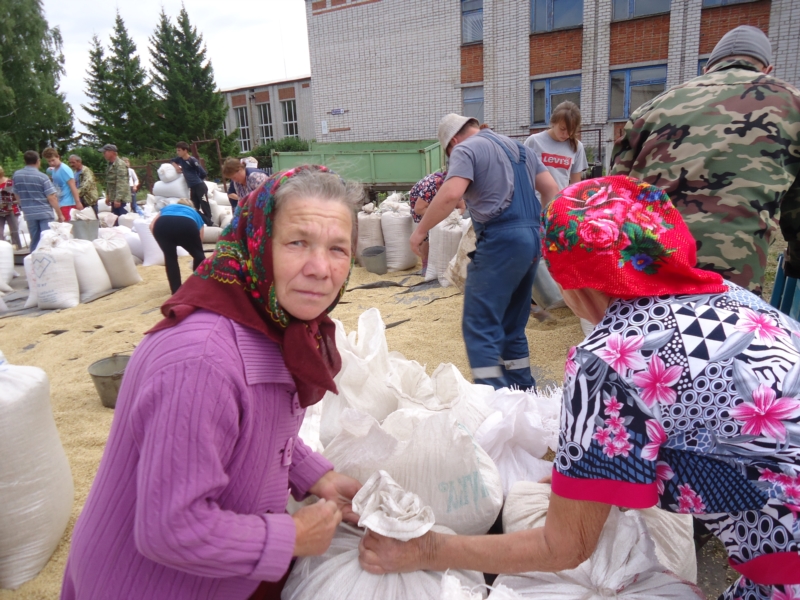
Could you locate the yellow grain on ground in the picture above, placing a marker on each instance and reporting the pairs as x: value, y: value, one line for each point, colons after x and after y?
x: 116, y: 323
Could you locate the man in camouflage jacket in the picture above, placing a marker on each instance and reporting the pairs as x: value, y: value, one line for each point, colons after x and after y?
x: 725, y: 146
x: 84, y: 179
x: 118, y: 192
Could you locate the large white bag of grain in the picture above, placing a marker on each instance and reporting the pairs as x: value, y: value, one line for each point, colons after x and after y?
x: 226, y: 220
x: 168, y: 173
x: 456, y: 272
x: 92, y: 276
x: 56, y: 233
x: 444, y: 241
x: 6, y: 265
x: 211, y: 234
x: 128, y: 220
x: 519, y: 433
x: 217, y: 212
x: 397, y: 226
x: 30, y: 275
x: 369, y: 230
x: 56, y: 280
x: 440, y: 462
x: 218, y: 195
x: 117, y: 259
x: 388, y: 509
x: 132, y: 239
x: 102, y: 207
x: 173, y: 189
x: 36, y: 491
x: 361, y: 382
x: 152, y: 254
x: 670, y: 542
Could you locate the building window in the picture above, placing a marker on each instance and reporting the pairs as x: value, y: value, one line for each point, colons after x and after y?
x: 627, y: 9
x: 547, y: 15
x: 473, y: 102
x: 471, y: 21
x: 701, y: 64
x: 546, y: 94
x: 243, y: 125
x: 289, y: 118
x: 633, y: 87
x: 710, y: 3
x: 264, y: 123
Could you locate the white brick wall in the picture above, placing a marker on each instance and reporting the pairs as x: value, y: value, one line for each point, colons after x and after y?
x: 393, y: 65
x: 784, y: 32
x: 684, y: 41
x: 596, y: 53
x: 506, y: 65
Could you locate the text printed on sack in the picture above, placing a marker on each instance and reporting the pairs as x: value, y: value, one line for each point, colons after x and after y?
x: 458, y: 491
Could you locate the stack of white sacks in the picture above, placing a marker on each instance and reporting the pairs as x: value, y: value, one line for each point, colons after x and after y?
x: 63, y: 271
x: 465, y: 451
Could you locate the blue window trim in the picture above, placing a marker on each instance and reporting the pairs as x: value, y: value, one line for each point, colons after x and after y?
x: 547, y: 100
x: 632, y: 11
x: 550, y: 18
x: 627, y: 101
x: 700, y: 64
x: 725, y: 3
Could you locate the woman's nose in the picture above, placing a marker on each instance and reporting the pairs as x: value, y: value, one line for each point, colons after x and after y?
x: 318, y: 264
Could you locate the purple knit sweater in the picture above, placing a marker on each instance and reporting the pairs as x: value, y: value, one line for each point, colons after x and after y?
x: 189, y: 501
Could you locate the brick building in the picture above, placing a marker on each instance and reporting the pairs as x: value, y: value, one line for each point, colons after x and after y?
x: 389, y: 69
x: 269, y: 111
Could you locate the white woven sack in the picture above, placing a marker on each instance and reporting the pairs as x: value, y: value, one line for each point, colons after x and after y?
x: 369, y: 230
x: 444, y: 241
x: 152, y: 254
x: 56, y: 280
x: 102, y: 207
x: 36, y: 490
x: 7, y: 272
x: 167, y: 173
x: 217, y: 194
x: 397, y: 227
x: 86, y: 214
x: 56, y: 233
x: 671, y: 534
x: 216, y: 212
x: 128, y: 220
x: 211, y: 234
x: 176, y: 188
x: 362, y: 379
x: 30, y: 275
x: 456, y: 272
x: 439, y: 462
x: 225, y: 222
x: 161, y: 202
x: 107, y: 219
x: 93, y: 279
x: 118, y: 261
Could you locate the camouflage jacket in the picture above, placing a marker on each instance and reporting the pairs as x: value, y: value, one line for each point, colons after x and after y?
x: 117, y: 182
x: 87, y: 191
x: 725, y: 146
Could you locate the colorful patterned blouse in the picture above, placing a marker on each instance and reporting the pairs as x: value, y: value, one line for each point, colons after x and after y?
x: 425, y: 189
x: 691, y: 403
x: 8, y: 205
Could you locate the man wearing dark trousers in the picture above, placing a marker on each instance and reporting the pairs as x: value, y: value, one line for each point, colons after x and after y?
x: 194, y: 174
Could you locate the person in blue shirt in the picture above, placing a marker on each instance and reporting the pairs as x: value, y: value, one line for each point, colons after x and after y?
x: 194, y: 174
x: 64, y: 180
x: 179, y: 225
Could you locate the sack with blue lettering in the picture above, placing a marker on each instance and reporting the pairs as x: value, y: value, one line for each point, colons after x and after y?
x: 433, y: 456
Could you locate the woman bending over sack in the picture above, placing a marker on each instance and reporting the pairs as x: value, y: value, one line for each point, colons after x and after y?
x: 179, y: 225
x: 420, y: 198
x: 685, y: 396
x: 190, y: 498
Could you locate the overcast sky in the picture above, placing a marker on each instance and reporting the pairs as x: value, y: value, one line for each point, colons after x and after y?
x: 248, y: 41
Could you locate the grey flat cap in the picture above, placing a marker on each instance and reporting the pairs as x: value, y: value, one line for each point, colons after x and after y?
x: 108, y: 147
x: 744, y: 40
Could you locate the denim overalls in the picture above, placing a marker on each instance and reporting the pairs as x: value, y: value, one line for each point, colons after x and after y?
x: 497, y: 297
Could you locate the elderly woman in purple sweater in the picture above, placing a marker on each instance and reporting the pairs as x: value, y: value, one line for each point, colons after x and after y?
x: 189, y: 501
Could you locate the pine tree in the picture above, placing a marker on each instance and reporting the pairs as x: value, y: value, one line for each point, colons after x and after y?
x: 123, y: 104
x: 188, y: 102
x: 33, y: 113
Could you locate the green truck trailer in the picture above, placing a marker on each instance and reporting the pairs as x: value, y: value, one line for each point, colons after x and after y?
x: 380, y: 166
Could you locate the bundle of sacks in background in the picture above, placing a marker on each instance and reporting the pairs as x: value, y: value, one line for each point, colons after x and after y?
x: 171, y: 184
x: 36, y: 490
x: 397, y: 226
x: 445, y: 239
x: 370, y: 233
x: 385, y: 507
x: 64, y: 271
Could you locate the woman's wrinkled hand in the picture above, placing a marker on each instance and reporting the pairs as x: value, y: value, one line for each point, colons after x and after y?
x: 379, y: 554
x: 315, y: 526
x: 339, y: 489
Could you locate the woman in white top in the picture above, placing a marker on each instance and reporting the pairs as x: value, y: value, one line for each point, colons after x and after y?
x: 559, y: 148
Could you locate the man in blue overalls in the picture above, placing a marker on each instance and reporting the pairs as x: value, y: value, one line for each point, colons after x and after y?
x: 496, y: 176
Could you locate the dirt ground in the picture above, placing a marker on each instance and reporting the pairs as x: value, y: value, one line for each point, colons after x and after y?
x: 424, y: 323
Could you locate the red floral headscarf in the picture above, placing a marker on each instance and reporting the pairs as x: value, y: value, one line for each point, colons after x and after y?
x: 237, y: 282
x: 622, y: 237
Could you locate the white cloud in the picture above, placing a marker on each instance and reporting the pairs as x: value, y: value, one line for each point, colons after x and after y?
x: 247, y: 41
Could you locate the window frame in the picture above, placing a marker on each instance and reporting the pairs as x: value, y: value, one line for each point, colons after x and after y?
x: 724, y: 3
x: 627, y: 93
x: 701, y: 62
x: 465, y: 13
x: 290, y: 124
x: 245, y: 141
x: 482, y: 101
x: 631, y: 13
x: 550, y: 18
x: 263, y: 138
x: 548, y: 108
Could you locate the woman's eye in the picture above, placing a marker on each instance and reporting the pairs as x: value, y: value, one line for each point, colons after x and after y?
x: 297, y: 243
x: 339, y: 249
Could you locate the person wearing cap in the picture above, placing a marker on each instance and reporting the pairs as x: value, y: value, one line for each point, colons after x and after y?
x: 118, y: 191
x: 496, y: 176
x: 84, y: 179
x: 685, y: 396
x: 726, y: 147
